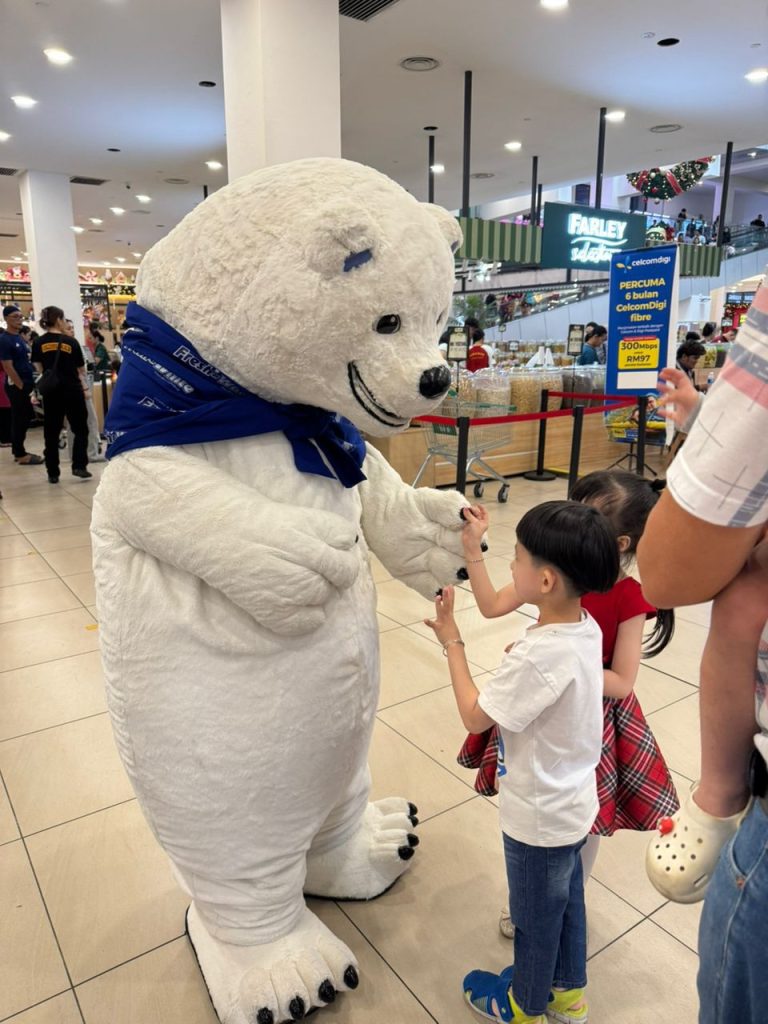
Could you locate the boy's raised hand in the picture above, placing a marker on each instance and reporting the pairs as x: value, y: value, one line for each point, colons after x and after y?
x: 476, y: 522
x: 444, y: 625
x: 677, y: 403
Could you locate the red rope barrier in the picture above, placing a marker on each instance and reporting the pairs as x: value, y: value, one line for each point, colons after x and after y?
x: 527, y: 417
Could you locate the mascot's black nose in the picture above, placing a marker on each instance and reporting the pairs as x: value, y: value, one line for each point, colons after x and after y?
x: 435, y: 381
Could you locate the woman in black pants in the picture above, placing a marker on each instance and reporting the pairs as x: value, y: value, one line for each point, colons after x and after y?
x: 57, y: 348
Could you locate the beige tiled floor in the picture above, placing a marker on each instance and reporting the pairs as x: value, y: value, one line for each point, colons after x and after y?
x: 91, y: 921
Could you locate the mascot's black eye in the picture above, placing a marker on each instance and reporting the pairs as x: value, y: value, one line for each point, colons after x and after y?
x: 389, y: 324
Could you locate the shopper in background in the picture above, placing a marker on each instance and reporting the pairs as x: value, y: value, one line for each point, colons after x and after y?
x: 59, y: 353
x: 5, y: 413
x: 477, y: 357
x: 546, y: 699
x: 100, y: 353
x: 717, y: 503
x: 758, y: 222
x: 593, y: 351
x: 19, y: 382
x: 688, y: 354
x: 94, y: 446
x: 707, y: 333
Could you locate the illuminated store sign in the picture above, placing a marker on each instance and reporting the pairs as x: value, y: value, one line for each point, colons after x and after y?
x: 582, y: 237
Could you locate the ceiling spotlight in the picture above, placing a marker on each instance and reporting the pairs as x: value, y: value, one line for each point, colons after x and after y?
x: 419, y: 64
x: 78, y: 230
x: 513, y: 147
x: 758, y: 76
x: 24, y: 102
x: 206, y: 84
x: 213, y: 165
x: 117, y: 210
x: 430, y: 127
x: 665, y: 129
x: 17, y: 259
x: 57, y: 56
x: 4, y: 136
x: 120, y: 259
x: 137, y: 255
x: 670, y: 41
x: 144, y: 199
x: 104, y: 263
x: 753, y: 154
x: 96, y: 220
x: 615, y: 116
x: 112, y: 149
x: 437, y: 168
x: 554, y: 5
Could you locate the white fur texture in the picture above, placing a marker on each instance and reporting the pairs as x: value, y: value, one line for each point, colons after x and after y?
x: 236, y: 604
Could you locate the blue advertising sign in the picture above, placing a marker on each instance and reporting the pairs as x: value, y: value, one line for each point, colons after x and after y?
x: 642, y: 319
x: 586, y: 238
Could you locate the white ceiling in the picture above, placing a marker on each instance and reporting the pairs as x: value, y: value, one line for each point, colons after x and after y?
x: 538, y: 77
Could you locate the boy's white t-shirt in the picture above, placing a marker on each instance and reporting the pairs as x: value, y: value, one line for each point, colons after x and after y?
x: 546, y: 697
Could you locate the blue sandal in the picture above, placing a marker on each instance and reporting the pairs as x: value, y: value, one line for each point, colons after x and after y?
x: 483, y: 990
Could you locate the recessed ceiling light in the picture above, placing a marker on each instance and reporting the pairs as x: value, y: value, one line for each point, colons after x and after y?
x: 207, y: 84
x: 437, y: 168
x: 144, y: 199
x: 758, y: 76
x: 554, y: 5
x: 670, y: 41
x: 24, y: 102
x: 113, y: 149
x: 78, y: 230
x: 665, y: 129
x: 513, y: 147
x: 117, y: 210
x: 137, y: 255
x: 104, y: 263
x: 430, y: 127
x: 176, y: 181
x: 482, y: 175
x: 57, y: 56
x: 120, y: 259
x: 17, y: 259
x: 753, y: 154
x: 159, y: 225
x: 419, y: 64
x: 4, y: 136
x: 96, y: 220
x: 615, y: 116
x: 213, y: 165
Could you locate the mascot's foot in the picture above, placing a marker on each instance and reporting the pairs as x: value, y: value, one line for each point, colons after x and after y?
x: 372, y: 859
x: 277, y: 981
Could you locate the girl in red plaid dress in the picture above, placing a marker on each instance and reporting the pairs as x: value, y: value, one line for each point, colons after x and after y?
x: 634, y: 785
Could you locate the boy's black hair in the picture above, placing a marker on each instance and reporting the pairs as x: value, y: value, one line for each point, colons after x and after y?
x: 626, y: 500
x: 576, y: 540
x: 478, y: 334
x: 691, y: 347
x: 471, y: 321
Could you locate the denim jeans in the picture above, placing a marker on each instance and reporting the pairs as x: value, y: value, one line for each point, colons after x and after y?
x: 733, y: 935
x: 546, y: 905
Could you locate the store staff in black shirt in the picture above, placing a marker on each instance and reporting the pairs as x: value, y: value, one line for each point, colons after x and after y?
x: 19, y: 381
x: 68, y: 398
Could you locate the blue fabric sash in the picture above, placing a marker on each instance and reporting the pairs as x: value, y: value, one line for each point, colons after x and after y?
x: 167, y: 394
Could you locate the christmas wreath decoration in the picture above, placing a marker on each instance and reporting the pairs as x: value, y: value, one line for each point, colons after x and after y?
x: 658, y: 184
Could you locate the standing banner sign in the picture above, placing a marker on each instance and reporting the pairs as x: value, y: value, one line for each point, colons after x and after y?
x: 642, y: 336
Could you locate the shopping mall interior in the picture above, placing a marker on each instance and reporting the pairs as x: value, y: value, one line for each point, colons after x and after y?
x: 118, y: 119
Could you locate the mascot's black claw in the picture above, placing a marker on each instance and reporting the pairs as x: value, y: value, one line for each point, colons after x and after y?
x: 483, y: 546
x: 351, y: 979
x: 412, y: 839
x: 405, y: 852
x: 412, y: 808
x: 413, y: 820
x: 296, y: 1008
x: 265, y: 1016
x: 439, y: 593
x: 326, y: 993
x: 462, y: 574
x: 461, y: 512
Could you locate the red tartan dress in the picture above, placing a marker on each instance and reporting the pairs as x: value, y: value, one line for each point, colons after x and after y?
x: 634, y: 786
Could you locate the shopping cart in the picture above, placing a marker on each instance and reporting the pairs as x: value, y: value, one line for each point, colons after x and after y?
x: 443, y: 440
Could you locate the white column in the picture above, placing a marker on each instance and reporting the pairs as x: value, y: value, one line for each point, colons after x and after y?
x: 46, y: 204
x: 282, y: 93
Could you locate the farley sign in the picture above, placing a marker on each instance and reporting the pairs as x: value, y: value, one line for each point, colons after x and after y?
x: 582, y: 237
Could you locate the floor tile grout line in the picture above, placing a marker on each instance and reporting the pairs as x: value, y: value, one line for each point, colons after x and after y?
x: 66, y: 657
x: 381, y: 956
x: 46, y: 910
x: 56, y: 725
x: 78, y: 817
x: 130, y: 960
x: 672, y: 934
x: 434, y: 760
x: 34, y: 1006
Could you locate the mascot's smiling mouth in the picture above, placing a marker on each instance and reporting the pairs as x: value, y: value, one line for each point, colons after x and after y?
x: 364, y: 397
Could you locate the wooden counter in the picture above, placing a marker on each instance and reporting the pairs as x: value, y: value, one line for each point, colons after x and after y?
x: 406, y: 451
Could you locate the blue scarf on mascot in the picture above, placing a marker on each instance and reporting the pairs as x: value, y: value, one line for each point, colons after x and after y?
x: 167, y: 394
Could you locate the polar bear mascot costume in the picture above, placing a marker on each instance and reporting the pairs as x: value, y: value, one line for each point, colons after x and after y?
x: 232, y: 530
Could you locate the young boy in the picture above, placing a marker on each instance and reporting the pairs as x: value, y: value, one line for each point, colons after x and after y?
x: 546, y: 698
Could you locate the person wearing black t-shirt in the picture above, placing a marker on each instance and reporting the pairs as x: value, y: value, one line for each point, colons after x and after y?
x: 68, y: 398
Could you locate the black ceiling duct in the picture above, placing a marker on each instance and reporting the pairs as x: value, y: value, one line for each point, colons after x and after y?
x: 363, y: 10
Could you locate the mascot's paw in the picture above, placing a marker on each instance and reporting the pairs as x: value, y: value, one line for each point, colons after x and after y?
x: 372, y: 859
x: 277, y: 981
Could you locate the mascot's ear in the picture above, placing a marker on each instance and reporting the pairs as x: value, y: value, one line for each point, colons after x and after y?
x: 340, y: 239
x: 448, y: 225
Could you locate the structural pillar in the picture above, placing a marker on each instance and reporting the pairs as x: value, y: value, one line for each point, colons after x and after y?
x: 46, y: 205
x: 282, y: 93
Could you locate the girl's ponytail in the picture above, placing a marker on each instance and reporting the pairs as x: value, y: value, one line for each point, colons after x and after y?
x: 662, y: 633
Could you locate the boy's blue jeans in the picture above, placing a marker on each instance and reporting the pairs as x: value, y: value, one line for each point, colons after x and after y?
x: 733, y: 935
x: 546, y: 905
